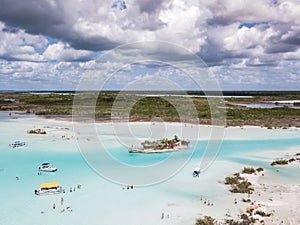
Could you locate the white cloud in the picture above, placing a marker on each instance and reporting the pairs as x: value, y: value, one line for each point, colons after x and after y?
x: 20, y: 45
x: 292, y: 55
x: 182, y: 19
x: 63, y: 52
x: 212, y: 29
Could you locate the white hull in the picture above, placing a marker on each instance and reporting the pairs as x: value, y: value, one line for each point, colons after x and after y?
x: 48, y: 170
x: 48, y: 192
x: 18, y: 145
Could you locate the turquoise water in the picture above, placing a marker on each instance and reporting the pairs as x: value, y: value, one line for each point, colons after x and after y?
x: 230, y: 150
x: 102, y: 202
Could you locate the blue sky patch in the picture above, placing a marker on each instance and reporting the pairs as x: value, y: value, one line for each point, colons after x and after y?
x: 249, y: 25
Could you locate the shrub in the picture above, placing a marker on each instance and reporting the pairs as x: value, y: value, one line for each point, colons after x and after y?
x: 37, y: 131
x: 248, y: 170
x: 207, y: 220
x: 261, y: 213
x: 244, y: 220
x: 231, y: 180
x: 246, y: 200
x: 239, y: 184
x: 260, y: 169
x: 242, y: 187
x: 280, y: 162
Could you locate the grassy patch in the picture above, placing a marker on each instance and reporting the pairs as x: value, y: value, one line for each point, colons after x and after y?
x: 207, y: 220
x: 280, y: 162
x: 37, y: 131
x: 244, y: 219
x: 262, y: 213
x: 248, y: 170
x: 260, y: 169
x: 148, y: 107
x: 239, y: 184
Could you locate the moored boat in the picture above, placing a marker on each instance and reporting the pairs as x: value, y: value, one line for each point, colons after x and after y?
x: 48, y: 189
x: 46, y: 167
x: 17, y: 144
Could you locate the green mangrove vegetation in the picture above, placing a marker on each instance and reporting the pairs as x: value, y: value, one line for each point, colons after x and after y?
x: 244, y: 219
x: 37, y: 131
x: 281, y: 162
x: 248, y: 170
x: 148, y: 107
x: 239, y: 184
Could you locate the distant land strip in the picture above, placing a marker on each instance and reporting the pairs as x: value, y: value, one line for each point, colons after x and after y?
x: 174, y: 92
x: 272, y: 109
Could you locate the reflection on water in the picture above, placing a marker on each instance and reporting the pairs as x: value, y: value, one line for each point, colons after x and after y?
x: 266, y: 105
x: 14, y: 115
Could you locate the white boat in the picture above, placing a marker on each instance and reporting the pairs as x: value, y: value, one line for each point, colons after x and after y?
x: 17, y: 144
x: 46, y: 167
x: 48, y: 189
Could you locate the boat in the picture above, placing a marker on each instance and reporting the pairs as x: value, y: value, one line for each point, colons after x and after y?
x: 49, y: 188
x: 161, y: 146
x: 17, y: 144
x: 196, y: 172
x: 46, y: 167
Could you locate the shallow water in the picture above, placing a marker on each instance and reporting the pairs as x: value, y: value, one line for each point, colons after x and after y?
x: 267, y: 105
x: 100, y: 201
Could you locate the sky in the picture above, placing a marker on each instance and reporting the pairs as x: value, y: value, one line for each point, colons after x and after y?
x: 246, y: 44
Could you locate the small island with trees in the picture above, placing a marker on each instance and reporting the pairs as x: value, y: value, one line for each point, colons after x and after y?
x: 37, y: 131
x: 160, y: 146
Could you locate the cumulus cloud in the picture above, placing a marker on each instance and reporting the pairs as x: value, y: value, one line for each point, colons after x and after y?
x: 62, y: 52
x: 24, y: 75
x: 18, y: 45
x: 94, y: 25
x: 261, y: 36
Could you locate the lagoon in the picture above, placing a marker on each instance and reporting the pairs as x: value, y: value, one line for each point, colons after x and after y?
x: 100, y: 201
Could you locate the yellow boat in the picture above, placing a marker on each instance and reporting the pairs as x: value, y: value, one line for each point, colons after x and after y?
x: 49, y: 188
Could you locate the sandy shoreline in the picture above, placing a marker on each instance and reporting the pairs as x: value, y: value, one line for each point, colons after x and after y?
x: 275, y: 196
x: 278, y: 199
x: 246, y: 132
